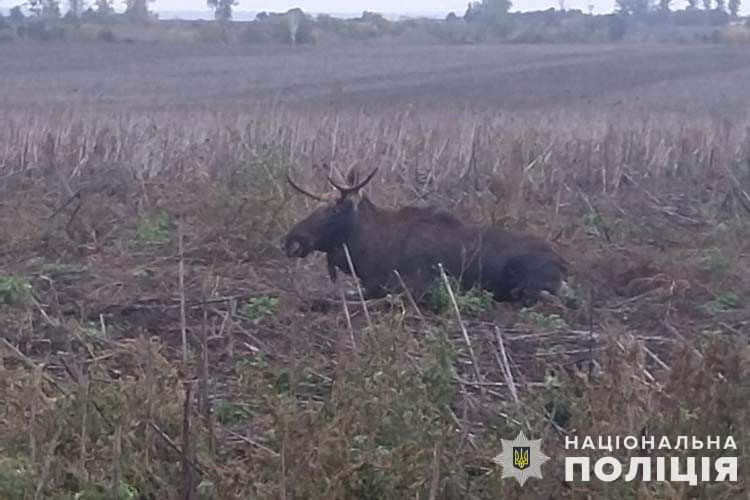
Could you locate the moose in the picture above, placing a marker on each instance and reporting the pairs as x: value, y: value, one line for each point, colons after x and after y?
x: 393, y: 249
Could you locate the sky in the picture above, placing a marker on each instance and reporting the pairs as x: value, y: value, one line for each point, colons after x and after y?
x: 420, y: 7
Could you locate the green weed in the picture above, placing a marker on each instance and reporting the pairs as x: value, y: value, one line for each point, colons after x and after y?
x: 17, y: 478
x: 258, y: 308
x: 154, y: 229
x: 473, y: 301
x: 723, y: 303
x: 714, y: 261
x: 596, y: 225
x: 14, y: 291
x: 549, y: 321
x: 228, y: 413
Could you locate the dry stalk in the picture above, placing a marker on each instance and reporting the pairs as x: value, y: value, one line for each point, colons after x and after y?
x: 437, y: 458
x: 252, y: 442
x: 411, y: 300
x: 464, y: 332
x: 656, y: 358
x: 170, y: 442
x: 36, y: 382
x: 227, y: 325
x: 347, y: 315
x: 84, y: 393
x: 187, y: 470
x: 181, y: 270
x: 149, y: 436
x: 48, y: 458
x: 116, y: 457
x: 203, y: 383
x: 359, y: 287
x: 502, y: 360
x: 283, y: 464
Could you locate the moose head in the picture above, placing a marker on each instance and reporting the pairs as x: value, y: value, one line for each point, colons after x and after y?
x: 327, y: 228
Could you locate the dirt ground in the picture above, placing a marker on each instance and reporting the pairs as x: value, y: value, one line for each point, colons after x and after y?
x: 657, y: 78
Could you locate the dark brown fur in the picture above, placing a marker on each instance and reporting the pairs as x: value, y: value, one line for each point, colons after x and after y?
x: 414, y: 240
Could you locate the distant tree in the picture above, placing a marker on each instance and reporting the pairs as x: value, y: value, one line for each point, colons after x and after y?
x: 487, y: 10
x: 51, y: 9
x: 71, y: 18
x: 16, y: 15
x: 35, y: 7
x: 75, y: 7
x: 617, y: 27
x: 104, y: 8
x: 294, y: 18
x: 491, y: 14
x: 222, y: 9
x: 632, y: 7
x: 734, y: 7
x: 664, y: 5
x: 721, y: 5
x: 707, y: 4
x: 137, y: 10
x: 692, y: 4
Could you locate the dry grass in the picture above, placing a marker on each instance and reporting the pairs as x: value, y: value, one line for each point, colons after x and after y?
x: 652, y: 213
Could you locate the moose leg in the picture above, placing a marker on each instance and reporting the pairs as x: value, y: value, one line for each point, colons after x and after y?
x: 368, y: 293
x: 417, y: 284
x: 525, y: 277
x: 526, y: 296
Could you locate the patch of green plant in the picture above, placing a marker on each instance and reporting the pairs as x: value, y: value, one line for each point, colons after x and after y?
x: 247, y: 364
x: 282, y: 380
x: 122, y: 491
x: 549, y: 321
x: 473, y: 301
x: 91, y: 332
x: 312, y: 383
x: 596, y: 225
x: 370, y: 482
x: 206, y: 490
x: 259, y: 308
x: 154, y: 229
x: 570, y: 295
x: 723, y: 303
x: 228, y: 413
x: 439, y: 375
x: 14, y: 291
x: 111, y: 400
x: 17, y: 478
x: 47, y: 268
x: 557, y: 403
x: 714, y: 261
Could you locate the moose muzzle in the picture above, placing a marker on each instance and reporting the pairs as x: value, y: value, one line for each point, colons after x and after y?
x: 296, y: 246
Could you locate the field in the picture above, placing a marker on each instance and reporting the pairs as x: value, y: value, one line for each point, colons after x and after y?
x: 155, y: 343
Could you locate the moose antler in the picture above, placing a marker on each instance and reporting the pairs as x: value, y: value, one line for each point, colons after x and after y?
x: 352, y: 189
x: 303, y: 191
